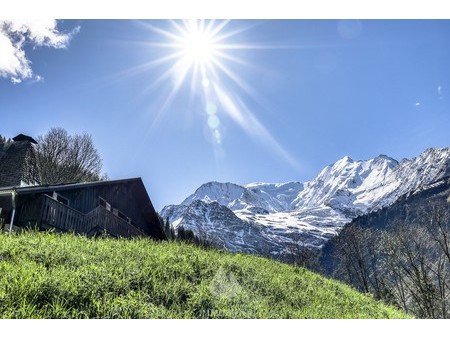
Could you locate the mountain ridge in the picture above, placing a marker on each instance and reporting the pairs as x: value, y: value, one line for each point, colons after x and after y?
x: 305, y: 214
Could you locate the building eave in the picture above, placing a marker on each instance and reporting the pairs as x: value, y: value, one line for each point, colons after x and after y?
x: 66, y: 186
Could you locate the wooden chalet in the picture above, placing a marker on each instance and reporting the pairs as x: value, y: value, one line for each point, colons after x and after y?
x: 120, y: 208
x: 116, y: 208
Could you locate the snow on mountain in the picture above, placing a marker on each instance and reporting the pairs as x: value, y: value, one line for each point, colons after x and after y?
x: 413, y: 174
x: 218, y: 224
x: 265, y: 196
x: 270, y: 218
x: 223, y: 193
x: 346, y: 185
x: 278, y: 196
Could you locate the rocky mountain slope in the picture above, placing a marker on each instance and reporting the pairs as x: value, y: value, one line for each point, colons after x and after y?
x: 407, y: 209
x: 275, y: 218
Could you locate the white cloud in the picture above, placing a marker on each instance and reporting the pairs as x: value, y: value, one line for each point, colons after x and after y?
x: 14, y: 35
x: 417, y: 104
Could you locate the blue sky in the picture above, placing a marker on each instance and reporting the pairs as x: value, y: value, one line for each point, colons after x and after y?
x: 299, y: 95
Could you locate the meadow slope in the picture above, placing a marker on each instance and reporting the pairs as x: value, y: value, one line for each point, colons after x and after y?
x: 45, y: 275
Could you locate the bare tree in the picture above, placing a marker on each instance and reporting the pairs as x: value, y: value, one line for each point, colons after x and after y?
x: 406, y: 264
x: 299, y: 255
x: 357, y: 261
x: 64, y: 158
x: 409, y: 259
x: 437, y: 224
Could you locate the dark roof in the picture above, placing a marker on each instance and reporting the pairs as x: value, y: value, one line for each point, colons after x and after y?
x: 68, y: 186
x: 22, y: 137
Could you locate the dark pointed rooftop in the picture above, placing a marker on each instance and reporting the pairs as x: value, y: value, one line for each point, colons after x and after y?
x: 22, y: 137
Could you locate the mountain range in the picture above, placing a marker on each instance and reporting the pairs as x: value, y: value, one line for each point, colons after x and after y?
x: 272, y: 219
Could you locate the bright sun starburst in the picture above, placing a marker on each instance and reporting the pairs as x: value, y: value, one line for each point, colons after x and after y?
x: 198, y: 45
x: 199, y: 51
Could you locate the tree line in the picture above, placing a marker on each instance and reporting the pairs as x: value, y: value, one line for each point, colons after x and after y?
x: 183, y: 235
x: 406, y: 263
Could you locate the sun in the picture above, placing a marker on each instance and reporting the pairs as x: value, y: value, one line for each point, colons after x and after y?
x: 197, y: 45
x: 197, y: 49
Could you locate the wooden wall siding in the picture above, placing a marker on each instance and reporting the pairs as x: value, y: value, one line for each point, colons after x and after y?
x: 151, y: 217
x: 28, y: 212
x: 123, y: 197
x: 58, y: 215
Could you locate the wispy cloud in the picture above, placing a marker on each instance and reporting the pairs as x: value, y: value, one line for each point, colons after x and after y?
x: 14, y: 35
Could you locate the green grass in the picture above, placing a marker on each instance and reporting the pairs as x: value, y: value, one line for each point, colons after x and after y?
x: 44, y: 275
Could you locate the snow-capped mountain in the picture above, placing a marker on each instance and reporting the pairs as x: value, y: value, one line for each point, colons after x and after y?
x: 271, y: 219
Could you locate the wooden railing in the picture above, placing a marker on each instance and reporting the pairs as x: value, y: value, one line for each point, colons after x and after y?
x: 65, y: 218
x: 61, y: 216
x: 112, y: 224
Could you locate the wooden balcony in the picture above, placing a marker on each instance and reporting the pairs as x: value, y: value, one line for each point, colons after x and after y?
x: 105, y: 220
x: 55, y: 214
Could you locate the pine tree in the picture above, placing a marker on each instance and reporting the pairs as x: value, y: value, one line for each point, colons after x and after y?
x: 181, y: 234
x: 168, y: 229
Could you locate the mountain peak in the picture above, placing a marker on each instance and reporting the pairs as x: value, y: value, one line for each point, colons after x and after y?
x: 345, y: 159
x: 224, y: 193
x: 386, y: 159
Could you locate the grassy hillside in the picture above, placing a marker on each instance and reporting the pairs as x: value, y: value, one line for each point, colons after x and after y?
x: 44, y: 275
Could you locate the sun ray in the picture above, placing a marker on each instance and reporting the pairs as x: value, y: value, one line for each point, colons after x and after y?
x: 175, y: 89
x: 163, y: 32
x: 222, y: 55
x: 239, y: 112
x: 217, y: 29
x: 230, y: 34
x: 200, y: 56
x: 148, y: 65
x: 248, y: 89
